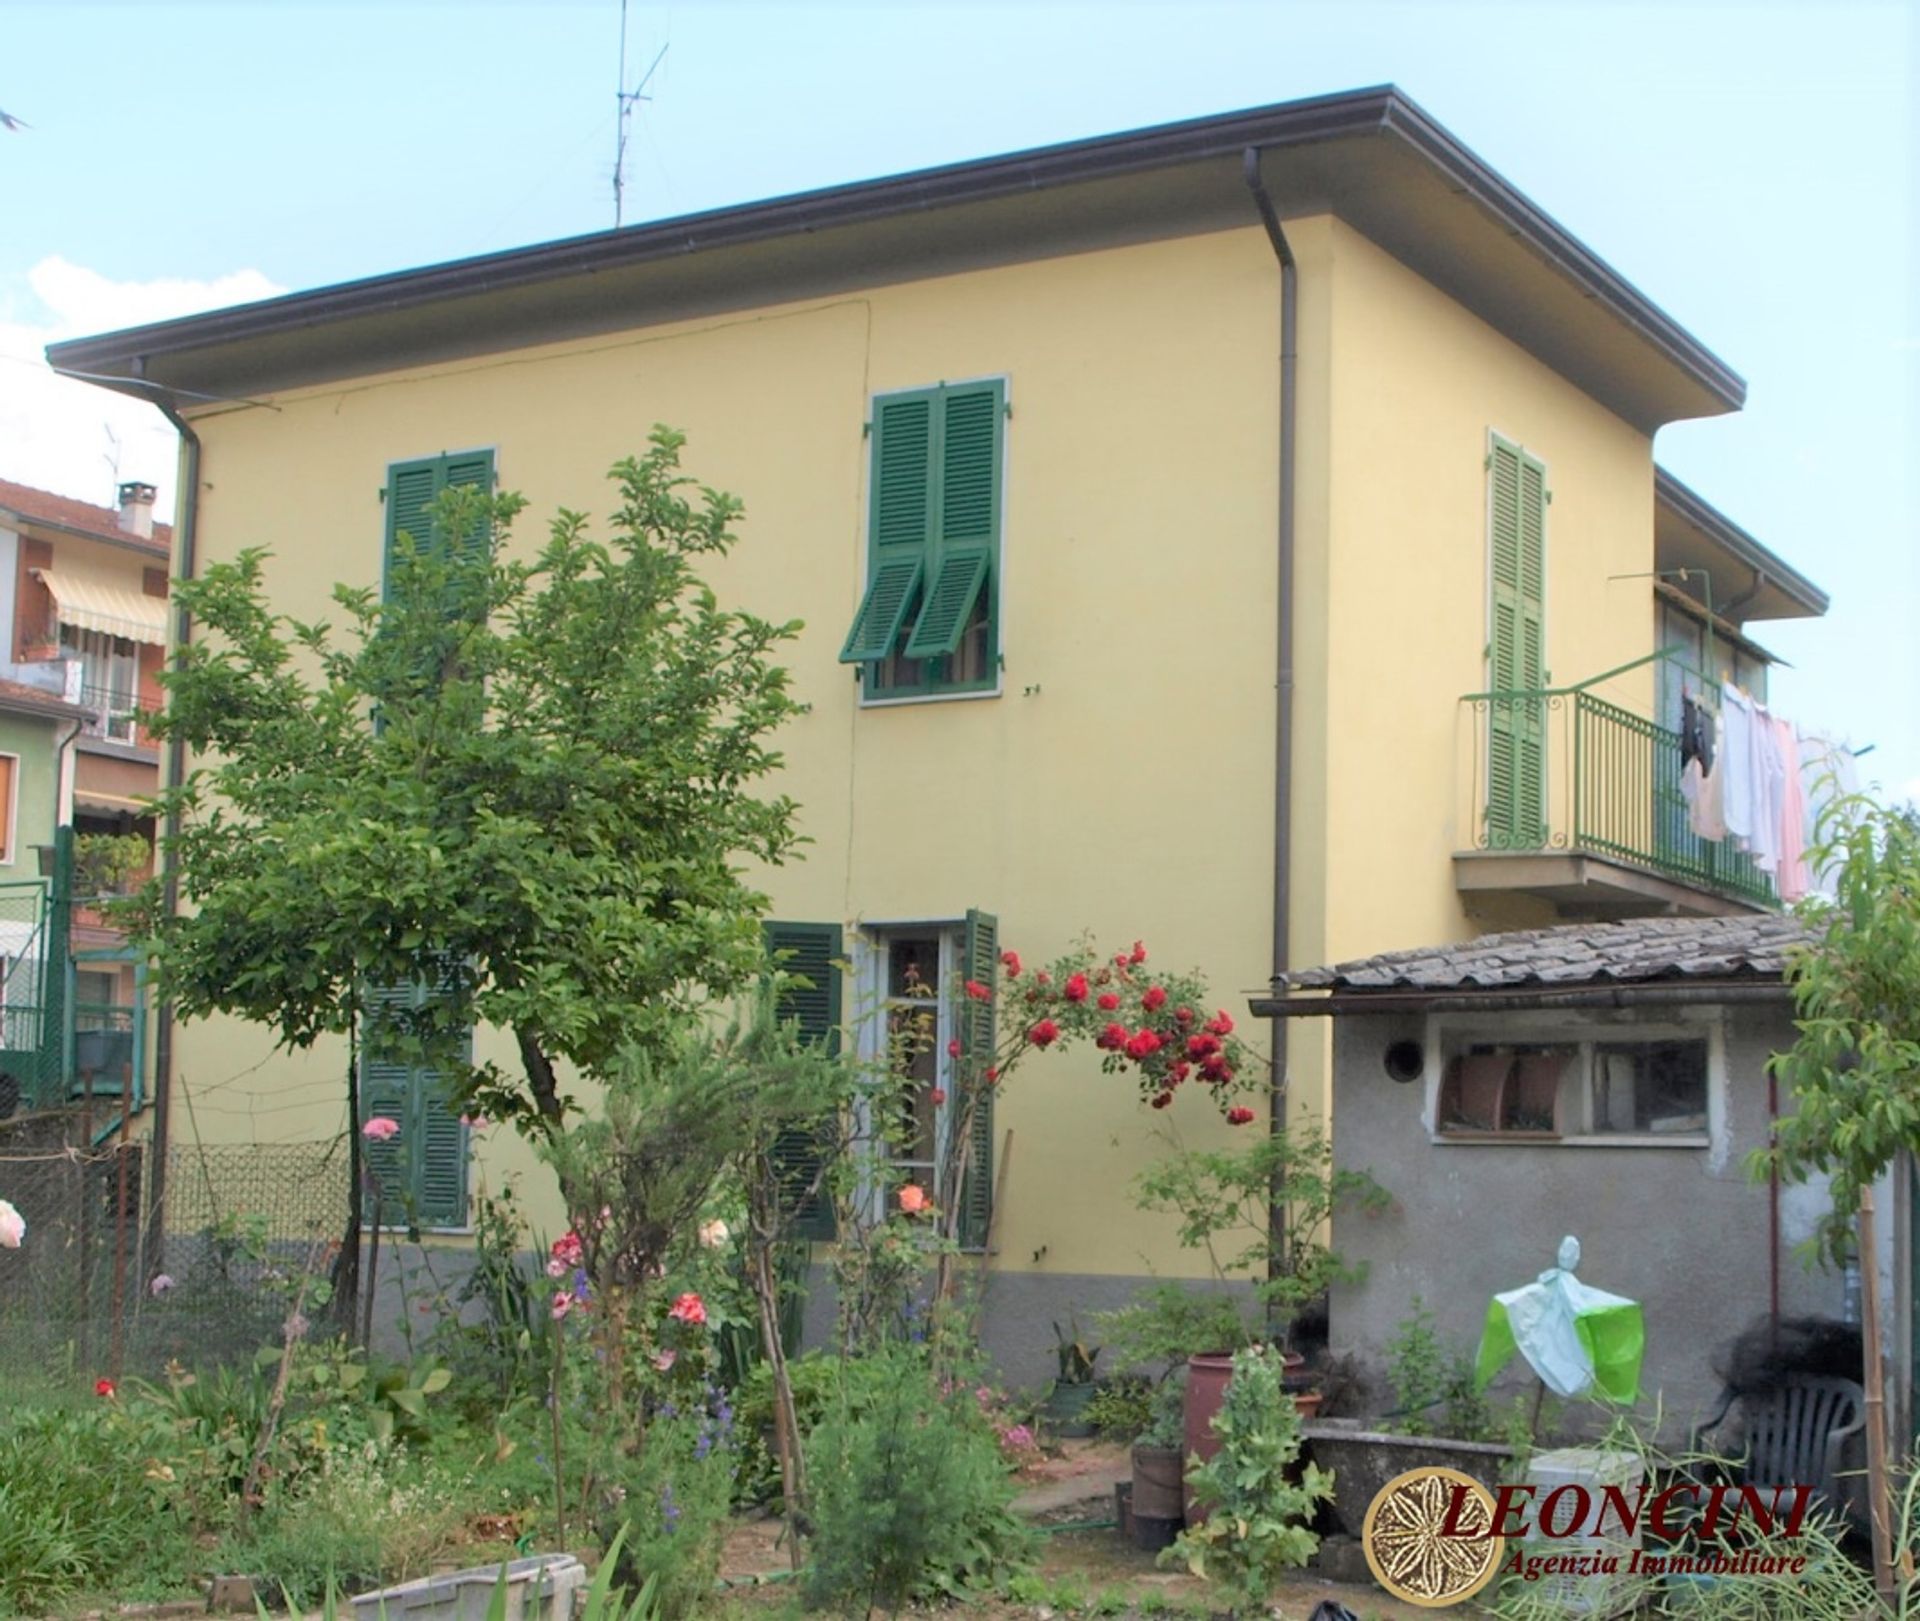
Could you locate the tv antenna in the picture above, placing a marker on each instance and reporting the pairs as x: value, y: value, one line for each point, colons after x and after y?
x: 627, y: 99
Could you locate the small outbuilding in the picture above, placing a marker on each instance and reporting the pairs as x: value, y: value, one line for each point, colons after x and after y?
x: 1608, y: 1080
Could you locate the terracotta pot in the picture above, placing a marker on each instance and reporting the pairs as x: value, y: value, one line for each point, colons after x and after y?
x: 1307, y: 1403
x: 1156, y: 1483
x: 1208, y: 1375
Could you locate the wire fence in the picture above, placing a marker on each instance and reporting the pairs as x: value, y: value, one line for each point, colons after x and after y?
x: 101, y: 1288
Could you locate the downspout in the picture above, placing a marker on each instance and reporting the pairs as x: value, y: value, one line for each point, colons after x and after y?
x: 1283, y: 677
x: 185, y: 533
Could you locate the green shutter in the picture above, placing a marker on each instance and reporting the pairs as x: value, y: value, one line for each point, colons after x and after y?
x: 949, y: 602
x: 980, y: 962
x: 413, y: 488
x: 386, y: 1092
x: 970, y: 419
x: 812, y: 950
x: 422, y: 1171
x: 1516, y: 743
x: 876, y: 627
x: 903, y: 436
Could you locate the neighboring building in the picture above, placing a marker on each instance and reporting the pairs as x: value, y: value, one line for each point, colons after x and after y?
x: 83, y: 599
x: 1153, y: 548
x: 1607, y: 1080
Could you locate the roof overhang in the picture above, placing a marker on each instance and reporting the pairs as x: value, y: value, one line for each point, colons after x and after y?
x: 1748, y: 581
x: 154, y: 551
x: 1370, y: 157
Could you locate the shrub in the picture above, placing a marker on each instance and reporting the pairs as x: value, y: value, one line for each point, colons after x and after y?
x: 911, y: 1498
x: 673, y: 1501
x: 1121, y: 1409
x: 1426, y: 1373
x: 1255, y: 1530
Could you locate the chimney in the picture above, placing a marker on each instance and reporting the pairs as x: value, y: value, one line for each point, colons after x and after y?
x: 136, y: 510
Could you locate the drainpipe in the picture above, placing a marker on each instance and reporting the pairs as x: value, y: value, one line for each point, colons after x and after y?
x: 1283, y: 674
x: 185, y: 534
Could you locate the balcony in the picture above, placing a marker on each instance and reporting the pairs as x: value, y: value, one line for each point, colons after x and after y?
x: 1575, y: 800
x: 111, y: 713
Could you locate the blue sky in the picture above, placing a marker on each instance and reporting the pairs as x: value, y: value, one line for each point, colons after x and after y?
x: 1751, y: 168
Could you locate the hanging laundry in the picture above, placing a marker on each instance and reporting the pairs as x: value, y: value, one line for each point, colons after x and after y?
x: 1827, y: 774
x: 1792, y: 880
x: 1696, y: 734
x: 1702, y: 790
x: 1736, y: 762
x: 1769, y: 788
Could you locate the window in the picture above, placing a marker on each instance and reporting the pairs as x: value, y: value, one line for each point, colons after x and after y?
x: 917, y: 971
x: 1618, y: 1082
x: 109, y: 679
x: 413, y: 487
x: 929, y: 621
x: 422, y: 1169
x: 1516, y: 647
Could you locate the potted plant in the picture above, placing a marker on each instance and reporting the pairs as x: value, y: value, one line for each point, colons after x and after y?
x: 1159, y: 1458
x: 1066, y: 1404
x: 1224, y: 1200
x: 1260, y: 1502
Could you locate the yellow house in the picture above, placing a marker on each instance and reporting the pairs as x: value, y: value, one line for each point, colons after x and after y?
x: 1156, y: 504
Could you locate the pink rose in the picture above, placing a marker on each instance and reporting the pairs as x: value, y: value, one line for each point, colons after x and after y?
x: 380, y: 1129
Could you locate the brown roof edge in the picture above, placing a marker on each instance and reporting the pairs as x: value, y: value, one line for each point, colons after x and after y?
x: 1381, y: 109
x: 1669, y: 492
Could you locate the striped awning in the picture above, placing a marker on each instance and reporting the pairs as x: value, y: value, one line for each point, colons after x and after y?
x: 88, y: 602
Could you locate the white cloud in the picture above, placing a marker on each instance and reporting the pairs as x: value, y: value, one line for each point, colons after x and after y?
x: 62, y: 435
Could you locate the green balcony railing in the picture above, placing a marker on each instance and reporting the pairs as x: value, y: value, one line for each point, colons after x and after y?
x: 1564, y: 769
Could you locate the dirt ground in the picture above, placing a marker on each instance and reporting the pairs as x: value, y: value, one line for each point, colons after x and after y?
x: 1070, y: 1498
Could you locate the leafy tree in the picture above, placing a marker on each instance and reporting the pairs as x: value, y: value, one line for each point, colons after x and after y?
x: 1854, y: 1072
x: 531, y: 784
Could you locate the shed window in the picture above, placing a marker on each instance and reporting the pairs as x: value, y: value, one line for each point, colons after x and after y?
x: 1603, y: 1087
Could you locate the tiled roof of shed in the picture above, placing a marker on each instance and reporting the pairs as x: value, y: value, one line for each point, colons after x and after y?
x: 1644, y: 949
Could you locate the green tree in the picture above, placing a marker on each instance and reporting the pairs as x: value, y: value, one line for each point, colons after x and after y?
x: 532, y: 784
x: 1854, y: 1072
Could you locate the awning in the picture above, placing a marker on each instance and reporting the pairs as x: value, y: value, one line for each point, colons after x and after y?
x: 97, y: 799
x: 88, y: 602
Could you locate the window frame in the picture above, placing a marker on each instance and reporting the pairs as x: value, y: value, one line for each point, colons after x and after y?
x: 871, y: 962
x: 993, y: 684
x: 1547, y: 1028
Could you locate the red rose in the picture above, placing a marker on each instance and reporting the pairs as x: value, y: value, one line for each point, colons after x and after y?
x: 1221, y: 1024
x: 1179, y: 1072
x: 978, y: 991
x: 1202, y: 1046
x: 1239, y: 1116
x: 953, y: 1049
x: 1154, y: 1000
x: 1215, y: 1068
x: 105, y: 1388
x: 936, y: 1096
x: 1120, y: 959
x: 1114, y: 1037
x: 1162, y: 1099
x: 1183, y: 1014
x: 992, y: 1075
x: 1076, y: 988
x: 1010, y: 960
x: 1044, y: 977
x: 1138, y: 954
x: 1044, y: 1034
x: 1142, y: 1044
x: 1109, y: 1000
